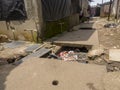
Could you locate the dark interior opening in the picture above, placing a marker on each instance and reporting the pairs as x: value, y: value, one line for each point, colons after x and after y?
x: 55, y: 82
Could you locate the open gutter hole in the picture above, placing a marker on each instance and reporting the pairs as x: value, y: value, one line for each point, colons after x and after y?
x: 68, y: 53
x: 86, y: 28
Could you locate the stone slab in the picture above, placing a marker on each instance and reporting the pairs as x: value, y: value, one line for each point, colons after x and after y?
x: 114, y: 55
x: 32, y: 48
x: 14, y: 44
x: 77, y: 38
x: 39, y: 74
x: 84, y: 25
x: 41, y: 52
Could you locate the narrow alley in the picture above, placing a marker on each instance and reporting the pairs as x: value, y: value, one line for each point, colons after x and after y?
x: 56, y: 49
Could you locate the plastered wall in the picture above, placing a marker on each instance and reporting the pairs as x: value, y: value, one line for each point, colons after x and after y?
x: 24, y: 29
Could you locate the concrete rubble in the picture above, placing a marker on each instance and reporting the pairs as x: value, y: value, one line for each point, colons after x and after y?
x: 95, y: 53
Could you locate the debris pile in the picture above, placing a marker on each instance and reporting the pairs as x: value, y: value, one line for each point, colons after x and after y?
x: 113, y: 66
x: 92, y: 54
x: 110, y: 25
x: 68, y: 56
x: 71, y: 54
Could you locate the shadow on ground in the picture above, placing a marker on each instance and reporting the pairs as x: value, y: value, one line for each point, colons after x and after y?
x: 5, y: 70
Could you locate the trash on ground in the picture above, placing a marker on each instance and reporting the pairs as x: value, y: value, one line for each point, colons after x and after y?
x: 71, y: 54
x: 113, y: 66
x: 68, y: 55
x: 110, y: 25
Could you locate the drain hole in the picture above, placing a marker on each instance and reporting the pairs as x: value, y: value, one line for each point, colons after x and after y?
x: 87, y: 28
x: 55, y: 82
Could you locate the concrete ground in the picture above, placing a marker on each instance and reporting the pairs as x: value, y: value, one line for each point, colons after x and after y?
x: 5, y: 70
x: 77, y: 38
x: 39, y: 74
x: 112, y: 81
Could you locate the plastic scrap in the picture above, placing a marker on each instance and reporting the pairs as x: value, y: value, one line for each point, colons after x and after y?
x: 68, y: 55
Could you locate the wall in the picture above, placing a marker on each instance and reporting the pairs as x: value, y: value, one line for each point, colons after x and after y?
x: 105, y: 10
x: 114, y: 9
x: 53, y: 28
x: 35, y: 22
x: 73, y: 20
x: 23, y: 28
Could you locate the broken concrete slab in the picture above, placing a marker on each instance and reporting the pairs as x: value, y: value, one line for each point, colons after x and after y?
x: 32, y: 48
x: 45, y: 74
x: 84, y: 26
x: 41, y: 52
x: 114, y: 55
x: 77, y: 38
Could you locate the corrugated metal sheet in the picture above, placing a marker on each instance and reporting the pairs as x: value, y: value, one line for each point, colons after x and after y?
x: 57, y: 9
